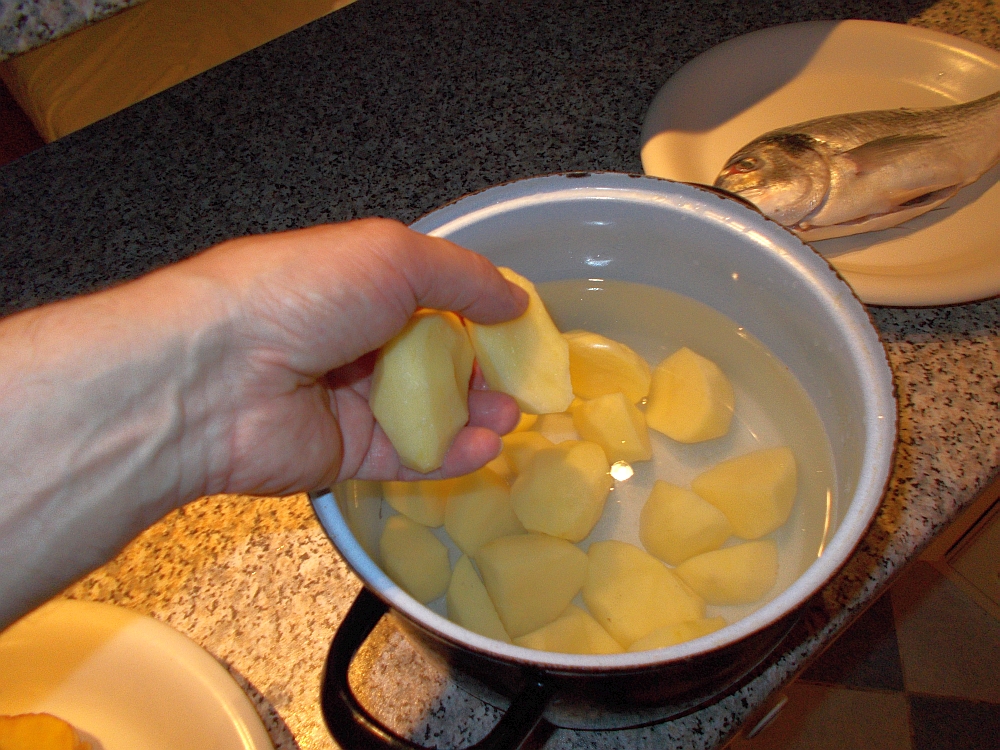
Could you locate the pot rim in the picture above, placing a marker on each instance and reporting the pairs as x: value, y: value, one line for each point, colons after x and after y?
x: 868, y: 357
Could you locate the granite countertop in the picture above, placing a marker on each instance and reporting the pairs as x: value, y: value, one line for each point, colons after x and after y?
x: 388, y: 108
x: 26, y: 24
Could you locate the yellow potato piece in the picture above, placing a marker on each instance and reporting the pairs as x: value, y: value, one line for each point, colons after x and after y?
x: 676, y: 524
x: 616, y: 425
x: 574, y: 632
x: 671, y: 635
x: 479, y: 510
x: 527, y: 357
x: 423, y: 501
x: 420, y: 387
x: 414, y: 558
x: 470, y: 606
x: 599, y: 366
x: 690, y: 398
x: 562, y: 490
x: 526, y: 422
x: 733, y: 575
x: 756, y: 491
x: 557, y: 427
x: 361, y: 503
x: 631, y: 593
x: 39, y: 732
x: 531, y: 578
x: 520, y: 447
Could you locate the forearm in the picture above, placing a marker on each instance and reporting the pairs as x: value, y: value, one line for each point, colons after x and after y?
x: 101, y: 400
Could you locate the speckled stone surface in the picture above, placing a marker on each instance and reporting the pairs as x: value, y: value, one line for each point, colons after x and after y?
x: 393, y: 108
x: 26, y: 24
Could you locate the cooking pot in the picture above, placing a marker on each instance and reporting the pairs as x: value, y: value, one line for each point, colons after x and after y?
x: 710, y: 247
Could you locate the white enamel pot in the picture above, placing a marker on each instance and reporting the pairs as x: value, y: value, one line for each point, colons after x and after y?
x: 718, y: 251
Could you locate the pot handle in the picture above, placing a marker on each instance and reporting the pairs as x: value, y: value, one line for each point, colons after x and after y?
x: 353, y: 727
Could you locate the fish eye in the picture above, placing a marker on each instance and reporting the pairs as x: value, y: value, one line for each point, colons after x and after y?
x: 747, y: 164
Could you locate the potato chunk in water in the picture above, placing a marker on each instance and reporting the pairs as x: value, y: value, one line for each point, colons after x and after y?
x: 671, y: 635
x: 616, y: 425
x: 733, y: 575
x: 470, y: 606
x: 423, y: 502
x: 631, y: 593
x: 574, y: 632
x: 562, y: 490
x: 414, y: 558
x: 531, y: 578
x: 599, y: 366
x: 756, y: 491
x: 479, y: 510
x: 690, y: 398
x: 520, y: 447
x: 676, y: 524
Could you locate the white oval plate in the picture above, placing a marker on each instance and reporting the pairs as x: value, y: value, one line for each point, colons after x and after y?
x: 779, y: 76
x: 124, y: 680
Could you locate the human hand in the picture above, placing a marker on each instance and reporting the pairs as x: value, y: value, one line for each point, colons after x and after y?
x: 242, y: 370
x: 307, y: 311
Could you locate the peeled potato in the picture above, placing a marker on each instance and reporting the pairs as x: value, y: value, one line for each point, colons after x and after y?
x: 423, y: 502
x: 479, y: 511
x: 562, y: 490
x: 599, y: 366
x: 527, y: 357
x: 574, y: 632
x: 39, y: 732
x: 631, y: 593
x: 531, y: 578
x: 420, y: 387
x: 526, y: 422
x: 470, y: 606
x: 733, y: 575
x: 557, y: 427
x: 520, y: 447
x: 756, y: 491
x: 690, y: 398
x: 676, y: 524
x: 671, y: 635
x: 414, y: 558
x: 615, y: 424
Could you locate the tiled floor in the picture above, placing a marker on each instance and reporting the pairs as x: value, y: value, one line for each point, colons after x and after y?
x: 919, y: 671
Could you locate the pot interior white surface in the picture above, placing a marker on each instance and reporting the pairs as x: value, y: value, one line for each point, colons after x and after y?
x: 718, y: 252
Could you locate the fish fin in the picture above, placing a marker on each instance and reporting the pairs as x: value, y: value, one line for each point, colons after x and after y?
x: 883, y: 152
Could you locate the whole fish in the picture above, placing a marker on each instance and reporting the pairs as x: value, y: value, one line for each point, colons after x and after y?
x: 863, y: 171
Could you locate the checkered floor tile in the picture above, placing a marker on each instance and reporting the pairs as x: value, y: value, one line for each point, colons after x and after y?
x: 920, y: 670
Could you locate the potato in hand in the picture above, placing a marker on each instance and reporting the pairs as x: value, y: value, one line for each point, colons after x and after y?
x: 420, y: 387
x: 756, y: 491
x: 690, y: 398
x: 562, y: 490
x: 527, y: 357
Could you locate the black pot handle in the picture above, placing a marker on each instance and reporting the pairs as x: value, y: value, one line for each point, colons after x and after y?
x: 353, y: 727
